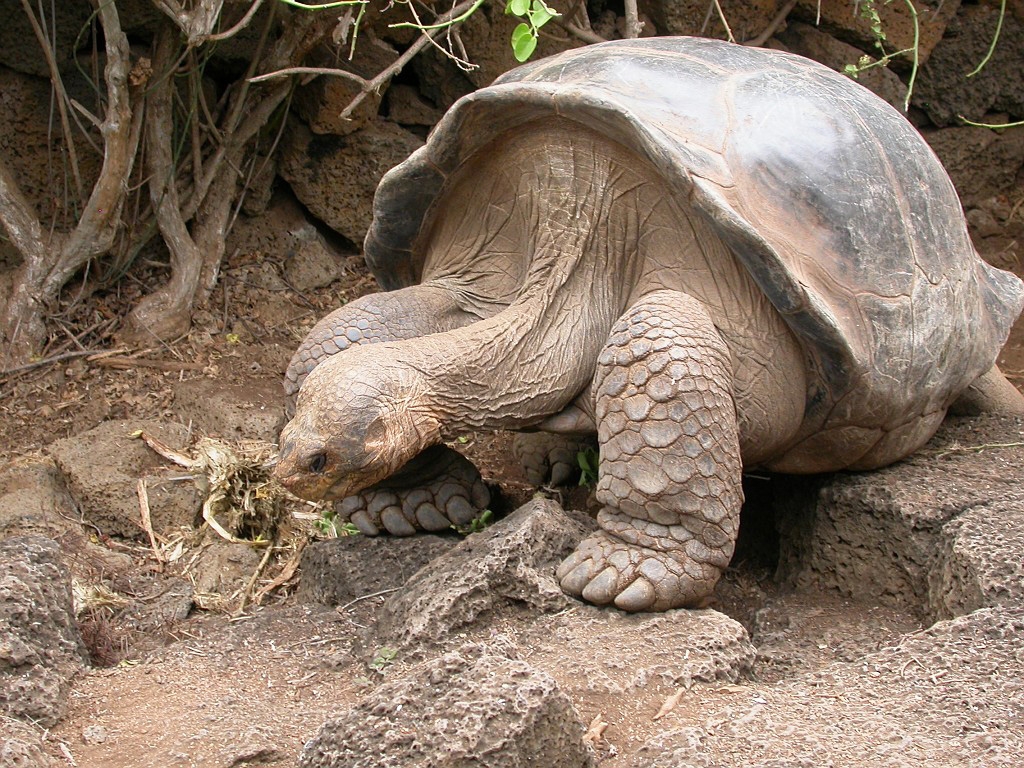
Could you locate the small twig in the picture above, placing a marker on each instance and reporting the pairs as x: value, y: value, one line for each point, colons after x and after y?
x: 127, y: 363
x: 247, y: 592
x: 349, y: 604
x: 725, y: 22
x: 773, y: 25
x: 993, y: 126
x: 976, y: 448
x: 672, y: 701
x: 242, y: 24
x: 287, y: 572
x: 595, y: 731
x: 369, y: 86
x: 995, y: 39
x: 179, y: 458
x: 329, y: 71
x: 586, y: 35
x: 48, y: 361
x: 633, y: 24
x: 147, y: 520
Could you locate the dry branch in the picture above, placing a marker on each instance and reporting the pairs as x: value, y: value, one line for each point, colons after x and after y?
x: 50, y: 260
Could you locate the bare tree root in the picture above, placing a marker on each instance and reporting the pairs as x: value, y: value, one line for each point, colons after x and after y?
x: 197, y: 251
x: 51, y: 258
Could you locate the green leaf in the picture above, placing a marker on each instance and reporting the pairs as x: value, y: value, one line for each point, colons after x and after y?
x: 517, y: 7
x: 540, y: 15
x: 524, y: 42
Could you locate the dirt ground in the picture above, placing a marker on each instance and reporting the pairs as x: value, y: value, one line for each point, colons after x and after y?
x: 219, y: 689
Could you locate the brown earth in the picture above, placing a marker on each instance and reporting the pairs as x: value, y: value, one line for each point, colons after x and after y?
x: 220, y: 688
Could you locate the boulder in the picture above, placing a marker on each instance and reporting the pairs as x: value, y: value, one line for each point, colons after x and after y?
x: 471, y: 707
x: 335, y: 177
x: 20, y: 49
x: 909, y: 532
x: 622, y: 653
x: 33, y: 500
x: 981, y: 563
x: 250, y: 411
x: 337, y: 571
x: 40, y: 646
x: 21, y: 746
x: 321, y: 102
x: 508, y: 566
x: 943, y: 89
x: 104, y: 465
x: 695, y: 17
x: 980, y: 161
x: 844, y: 20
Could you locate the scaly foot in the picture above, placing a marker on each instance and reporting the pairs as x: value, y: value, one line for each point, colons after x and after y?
x: 436, y: 490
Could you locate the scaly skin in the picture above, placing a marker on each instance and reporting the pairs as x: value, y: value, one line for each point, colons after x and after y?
x: 438, y: 489
x: 549, y: 459
x: 403, y: 314
x: 670, y: 474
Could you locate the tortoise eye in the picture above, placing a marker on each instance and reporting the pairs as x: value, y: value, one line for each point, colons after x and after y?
x: 317, y: 463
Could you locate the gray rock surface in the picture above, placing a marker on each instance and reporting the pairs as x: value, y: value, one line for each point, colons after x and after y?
x: 21, y: 746
x: 337, y: 571
x: 943, y: 89
x: 909, y: 532
x: 948, y: 696
x: 980, y: 162
x: 104, y: 465
x: 469, y: 708
x: 335, y: 177
x: 981, y: 562
x: 507, y: 566
x: 40, y: 647
x: 626, y: 652
x: 690, y: 17
x: 33, y: 500
x: 251, y: 411
x: 321, y: 101
x: 842, y: 19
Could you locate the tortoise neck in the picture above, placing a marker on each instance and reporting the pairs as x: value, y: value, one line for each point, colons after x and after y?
x: 508, y: 371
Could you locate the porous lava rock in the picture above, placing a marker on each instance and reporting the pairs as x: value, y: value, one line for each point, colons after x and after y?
x: 40, y: 647
x: 508, y: 566
x: 470, y: 708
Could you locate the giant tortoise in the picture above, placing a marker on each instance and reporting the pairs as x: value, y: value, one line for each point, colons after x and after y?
x: 715, y: 257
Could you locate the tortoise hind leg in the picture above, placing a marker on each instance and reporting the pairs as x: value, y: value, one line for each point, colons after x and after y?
x: 670, y: 471
x: 550, y: 459
x: 991, y: 392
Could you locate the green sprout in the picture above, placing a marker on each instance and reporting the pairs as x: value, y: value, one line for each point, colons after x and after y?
x: 477, y: 524
x: 382, y: 659
x: 588, y: 460
x: 535, y: 14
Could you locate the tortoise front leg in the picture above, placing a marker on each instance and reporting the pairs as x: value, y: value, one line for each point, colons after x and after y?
x: 437, y: 490
x: 391, y: 316
x: 670, y: 471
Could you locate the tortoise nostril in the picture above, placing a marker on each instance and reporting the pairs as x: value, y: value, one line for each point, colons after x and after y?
x: 317, y: 463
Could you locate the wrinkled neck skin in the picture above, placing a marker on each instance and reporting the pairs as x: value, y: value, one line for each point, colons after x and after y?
x: 566, y: 199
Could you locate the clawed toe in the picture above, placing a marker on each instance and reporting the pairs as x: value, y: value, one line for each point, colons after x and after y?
x: 605, y: 570
x: 638, y: 596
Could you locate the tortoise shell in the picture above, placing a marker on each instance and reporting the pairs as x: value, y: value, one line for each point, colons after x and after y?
x: 832, y: 200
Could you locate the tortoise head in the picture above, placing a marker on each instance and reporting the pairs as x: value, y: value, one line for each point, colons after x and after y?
x: 355, y: 424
